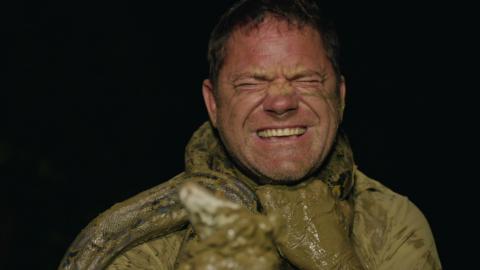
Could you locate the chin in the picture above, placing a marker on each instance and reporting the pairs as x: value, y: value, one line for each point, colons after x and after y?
x: 285, y: 173
x: 283, y: 176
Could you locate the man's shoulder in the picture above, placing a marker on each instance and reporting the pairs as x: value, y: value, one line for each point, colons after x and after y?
x: 365, y: 184
x: 371, y: 195
x: 374, y: 199
x: 388, y: 227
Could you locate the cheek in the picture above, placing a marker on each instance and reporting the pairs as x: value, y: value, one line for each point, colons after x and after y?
x: 232, y: 118
x: 334, y: 108
x: 242, y: 108
x: 324, y: 107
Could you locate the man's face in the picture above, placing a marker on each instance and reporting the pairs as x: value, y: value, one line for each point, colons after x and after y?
x: 278, y: 105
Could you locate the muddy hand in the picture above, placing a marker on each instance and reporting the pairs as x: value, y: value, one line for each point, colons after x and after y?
x: 230, y: 236
x: 314, y: 236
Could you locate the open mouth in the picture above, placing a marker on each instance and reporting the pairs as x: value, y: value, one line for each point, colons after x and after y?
x: 281, y: 132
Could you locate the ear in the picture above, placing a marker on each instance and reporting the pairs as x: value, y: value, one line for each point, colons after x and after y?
x: 342, y: 92
x: 210, y: 101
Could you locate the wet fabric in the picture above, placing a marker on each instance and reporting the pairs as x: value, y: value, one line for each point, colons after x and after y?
x: 386, y: 229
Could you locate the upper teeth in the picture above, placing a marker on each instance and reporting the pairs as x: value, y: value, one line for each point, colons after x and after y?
x: 281, y: 132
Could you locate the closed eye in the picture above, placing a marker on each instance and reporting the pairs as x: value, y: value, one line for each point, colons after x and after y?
x: 309, y: 79
x: 249, y: 85
x: 307, y: 83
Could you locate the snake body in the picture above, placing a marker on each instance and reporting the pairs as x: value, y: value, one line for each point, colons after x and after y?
x: 158, y: 211
x: 150, y: 214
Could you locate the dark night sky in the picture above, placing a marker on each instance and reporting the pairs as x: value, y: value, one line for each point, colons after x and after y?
x: 99, y: 100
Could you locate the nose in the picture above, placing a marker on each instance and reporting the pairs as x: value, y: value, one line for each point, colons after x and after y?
x: 281, y: 101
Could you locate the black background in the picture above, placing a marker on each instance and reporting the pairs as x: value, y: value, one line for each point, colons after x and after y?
x: 99, y: 99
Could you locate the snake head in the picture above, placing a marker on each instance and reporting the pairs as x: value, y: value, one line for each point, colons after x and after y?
x: 207, y: 211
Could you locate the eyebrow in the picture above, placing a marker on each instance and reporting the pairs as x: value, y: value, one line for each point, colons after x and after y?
x: 307, y: 73
x: 262, y: 76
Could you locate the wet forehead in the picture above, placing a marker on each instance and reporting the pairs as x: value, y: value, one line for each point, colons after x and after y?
x: 275, y: 47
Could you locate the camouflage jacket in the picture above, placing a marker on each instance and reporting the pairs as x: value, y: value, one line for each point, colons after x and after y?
x: 149, y: 230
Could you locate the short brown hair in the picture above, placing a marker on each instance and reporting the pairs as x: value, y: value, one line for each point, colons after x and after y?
x: 253, y: 12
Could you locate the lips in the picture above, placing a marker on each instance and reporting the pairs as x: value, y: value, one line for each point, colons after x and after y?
x: 281, y: 132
